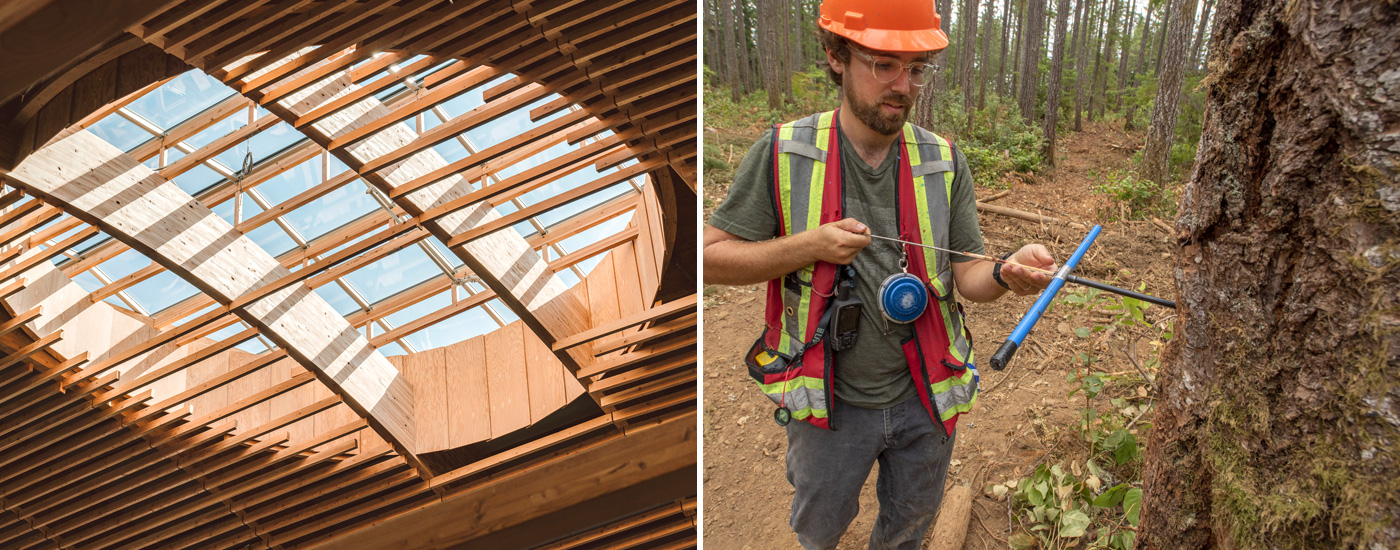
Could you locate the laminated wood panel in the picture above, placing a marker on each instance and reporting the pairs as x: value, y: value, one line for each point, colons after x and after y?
x: 507, y: 380
x: 427, y: 373
x: 546, y: 387
x: 602, y: 292
x: 253, y: 383
x: 469, y: 399
x: 203, y: 371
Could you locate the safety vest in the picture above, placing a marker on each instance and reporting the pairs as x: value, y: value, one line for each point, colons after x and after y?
x: 791, y: 361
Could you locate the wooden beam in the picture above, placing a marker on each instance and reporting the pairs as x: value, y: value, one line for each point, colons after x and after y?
x: 608, y: 243
x: 669, y: 308
x: 622, y: 461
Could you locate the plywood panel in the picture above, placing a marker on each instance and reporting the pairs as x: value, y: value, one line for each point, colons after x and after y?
x: 546, y: 386
x: 507, y: 379
x: 469, y: 399
x: 206, y: 370
x: 629, y: 289
x: 254, y: 382
x: 602, y: 292
x: 426, y: 373
x: 572, y: 388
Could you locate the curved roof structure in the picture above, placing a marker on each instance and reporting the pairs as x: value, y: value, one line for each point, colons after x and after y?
x: 342, y: 273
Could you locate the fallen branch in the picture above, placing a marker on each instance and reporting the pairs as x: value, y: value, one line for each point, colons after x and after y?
x: 1162, y: 226
x: 1023, y: 215
x: 996, y: 196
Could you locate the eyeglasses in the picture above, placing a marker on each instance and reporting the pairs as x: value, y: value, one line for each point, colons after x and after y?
x: 886, y: 69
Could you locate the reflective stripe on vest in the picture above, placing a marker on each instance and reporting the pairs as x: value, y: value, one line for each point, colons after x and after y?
x: 801, y: 153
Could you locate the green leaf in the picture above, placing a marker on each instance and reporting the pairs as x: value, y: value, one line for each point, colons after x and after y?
x: 1070, y: 377
x: 1126, y: 450
x: 1132, y: 504
x: 1111, y: 497
x: 1073, y: 523
x: 1081, y: 332
x: 1125, y: 540
x: 1093, y: 385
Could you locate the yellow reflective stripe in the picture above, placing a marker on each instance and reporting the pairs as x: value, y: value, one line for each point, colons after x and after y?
x: 945, y: 150
x: 921, y: 206
x: 946, y: 384
x: 784, y: 386
x: 785, y: 180
x: 959, y: 408
x: 804, y: 413
x: 952, y: 338
x: 814, y: 216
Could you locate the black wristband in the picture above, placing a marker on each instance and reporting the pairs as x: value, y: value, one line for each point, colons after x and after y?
x: 996, y: 272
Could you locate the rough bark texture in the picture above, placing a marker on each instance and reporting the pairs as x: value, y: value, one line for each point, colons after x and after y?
x: 1110, y: 46
x: 1162, y: 35
x: 1162, y: 124
x: 1279, y: 419
x: 731, y: 50
x: 1017, y: 44
x: 712, y: 34
x: 1030, y: 63
x: 1052, y: 90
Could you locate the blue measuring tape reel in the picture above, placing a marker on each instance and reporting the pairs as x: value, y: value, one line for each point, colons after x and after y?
x: 903, y: 298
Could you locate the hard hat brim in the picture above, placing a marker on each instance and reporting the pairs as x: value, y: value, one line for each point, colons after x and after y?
x: 893, y: 40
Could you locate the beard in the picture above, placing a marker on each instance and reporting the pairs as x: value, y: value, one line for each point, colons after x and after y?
x: 876, y: 118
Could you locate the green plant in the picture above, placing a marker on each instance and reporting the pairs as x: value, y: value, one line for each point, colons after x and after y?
x: 1139, y: 198
x: 1059, y: 509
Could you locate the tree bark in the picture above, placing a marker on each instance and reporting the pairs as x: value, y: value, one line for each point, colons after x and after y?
x: 1279, y: 414
x: 1157, y: 152
x: 1052, y: 90
x: 1073, y: 49
x: 1030, y: 64
x: 784, y: 55
x: 1200, y: 37
x: 1005, y: 34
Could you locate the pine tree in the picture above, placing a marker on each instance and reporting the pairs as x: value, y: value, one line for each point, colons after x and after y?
x: 1030, y: 63
x: 1052, y: 94
x: 1164, y: 109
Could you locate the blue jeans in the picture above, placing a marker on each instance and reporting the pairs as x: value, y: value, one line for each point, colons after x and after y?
x: 828, y: 468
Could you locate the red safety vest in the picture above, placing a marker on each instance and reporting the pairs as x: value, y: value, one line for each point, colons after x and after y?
x: 791, y: 361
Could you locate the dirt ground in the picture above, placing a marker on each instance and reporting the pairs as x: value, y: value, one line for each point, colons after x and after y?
x: 1025, y: 414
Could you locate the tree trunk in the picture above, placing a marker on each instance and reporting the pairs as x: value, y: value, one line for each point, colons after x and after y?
x: 1052, y: 90
x: 1030, y: 64
x: 940, y: 80
x: 1127, y: 39
x: 1079, y: 68
x: 1073, y: 49
x: 1109, y: 48
x: 712, y: 52
x: 967, y: 53
x: 731, y: 49
x: 1200, y: 37
x: 741, y: 28
x: 1017, y: 44
x: 784, y: 57
x: 1162, y: 35
x: 1005, y: 35
x: 1129, y: 120
x: 985, y: 63
x: 1164, y: 109
x: 1100, y: 46
x: 1279, y: 415
x: 770, y: 51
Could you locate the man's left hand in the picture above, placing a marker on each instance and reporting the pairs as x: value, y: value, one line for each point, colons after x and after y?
x: 1025, y: 282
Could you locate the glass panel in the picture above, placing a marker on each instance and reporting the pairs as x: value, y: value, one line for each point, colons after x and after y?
x: 120, y: 132
x: 187, y: 95
x: 337, y: 298
x: 393, y: 274
x: 161, y: 291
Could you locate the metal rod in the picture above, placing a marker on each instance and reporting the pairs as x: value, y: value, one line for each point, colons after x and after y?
x: 1068, y: 278
x: 1028, y: 321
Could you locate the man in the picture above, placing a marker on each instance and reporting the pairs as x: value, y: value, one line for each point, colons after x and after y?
x: 800, y: 214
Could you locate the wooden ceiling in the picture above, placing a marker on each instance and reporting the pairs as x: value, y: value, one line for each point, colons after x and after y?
x: 132, y: 450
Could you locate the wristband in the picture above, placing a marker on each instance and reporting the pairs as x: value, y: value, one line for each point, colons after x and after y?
x: 996, y: 272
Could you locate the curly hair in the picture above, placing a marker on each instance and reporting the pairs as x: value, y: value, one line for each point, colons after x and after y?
x: 839, y: 46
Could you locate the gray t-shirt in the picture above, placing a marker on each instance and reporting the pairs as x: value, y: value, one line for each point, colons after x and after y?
x: 872, y: 374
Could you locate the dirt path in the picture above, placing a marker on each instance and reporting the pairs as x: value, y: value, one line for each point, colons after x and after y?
x: 1025, y: 414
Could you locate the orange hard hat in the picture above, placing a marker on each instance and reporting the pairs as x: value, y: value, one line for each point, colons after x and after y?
x: 886, y: 25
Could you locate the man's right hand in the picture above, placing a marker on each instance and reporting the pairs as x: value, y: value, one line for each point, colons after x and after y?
x: 838, y: 242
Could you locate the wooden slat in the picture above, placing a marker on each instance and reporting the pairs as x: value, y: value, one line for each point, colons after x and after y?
x: 507, y: 380
x: 632, y: 359
x: 469, y: 409
x: 669, y: 308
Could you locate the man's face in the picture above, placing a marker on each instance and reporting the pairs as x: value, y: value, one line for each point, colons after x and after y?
x: 882, y: 106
